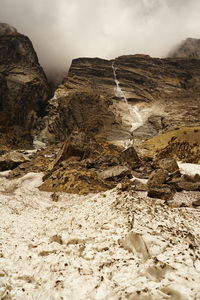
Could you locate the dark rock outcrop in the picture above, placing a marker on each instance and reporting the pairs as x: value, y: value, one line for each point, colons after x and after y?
x: 23, y: 85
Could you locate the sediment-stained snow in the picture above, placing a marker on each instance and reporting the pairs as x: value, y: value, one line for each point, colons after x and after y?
x: 113, y: 245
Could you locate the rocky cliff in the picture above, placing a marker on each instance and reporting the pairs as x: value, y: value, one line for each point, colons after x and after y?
x: 23, y: 86
x: 143, y: 96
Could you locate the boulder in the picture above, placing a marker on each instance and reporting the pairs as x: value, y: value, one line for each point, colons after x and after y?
x: 138, y: 185
x: 114, y: 173
x: 187, y: 186
x: 158, y: 177
x: 164, y: 192
x: 169, y: 164
x: 11, y: 160
x: 131, y: 157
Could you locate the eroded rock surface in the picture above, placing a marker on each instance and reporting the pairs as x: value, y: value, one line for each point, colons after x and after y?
x: 23, y: 85
x: 130, y: 98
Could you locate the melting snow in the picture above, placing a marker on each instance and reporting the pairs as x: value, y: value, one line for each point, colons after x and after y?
x: 113, y: 245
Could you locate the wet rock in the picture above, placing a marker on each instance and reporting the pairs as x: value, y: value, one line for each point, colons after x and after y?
x: 156, y: 121
x: 75, y: 105
x: 163, y: 191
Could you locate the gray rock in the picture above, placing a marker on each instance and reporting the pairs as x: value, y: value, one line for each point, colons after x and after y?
x: 114, y: 172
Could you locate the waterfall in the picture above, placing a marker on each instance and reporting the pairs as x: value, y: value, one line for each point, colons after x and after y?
x: 119, y: 93
x: 136, y: 116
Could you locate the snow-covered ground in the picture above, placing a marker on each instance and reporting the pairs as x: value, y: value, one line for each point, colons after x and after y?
x: 107, y: 246
x: 190, y: 169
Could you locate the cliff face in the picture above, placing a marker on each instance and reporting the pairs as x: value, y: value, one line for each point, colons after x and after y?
x: 146, y: 95
x: 23, y: 85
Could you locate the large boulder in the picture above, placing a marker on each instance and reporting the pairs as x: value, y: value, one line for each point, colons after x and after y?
x: 164, y: 192
x: 158, y: 187
x: 158, y: 177
x: 23, y: 85
x: 169, y: 164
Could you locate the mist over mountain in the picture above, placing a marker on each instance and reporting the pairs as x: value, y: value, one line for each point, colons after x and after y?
x: 67, y: 29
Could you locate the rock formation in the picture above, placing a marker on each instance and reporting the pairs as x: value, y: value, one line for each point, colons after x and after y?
x: 190, y: 48
x: 99, y: 111
x: 23, y: 86
x: 140, y: 96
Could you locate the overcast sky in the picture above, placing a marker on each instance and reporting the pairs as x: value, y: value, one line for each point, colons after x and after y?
x: 65, y: 29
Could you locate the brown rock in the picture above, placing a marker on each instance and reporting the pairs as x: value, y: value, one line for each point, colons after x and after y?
x: 131, y: 157
x: 188, y: 186
x: 164, y: 192
x: 137, y: 185
x: 157, y: 177
x: 169, y: 164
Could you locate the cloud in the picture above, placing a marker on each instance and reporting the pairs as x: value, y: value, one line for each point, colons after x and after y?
x: 65, y: 29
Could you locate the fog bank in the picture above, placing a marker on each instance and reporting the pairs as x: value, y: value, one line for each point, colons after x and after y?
x: 64, y: 29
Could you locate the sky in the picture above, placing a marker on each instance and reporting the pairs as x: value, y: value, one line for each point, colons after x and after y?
x: 65, y: 29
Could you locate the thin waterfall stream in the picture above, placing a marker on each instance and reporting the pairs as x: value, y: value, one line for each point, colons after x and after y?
x: 137, y: 118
